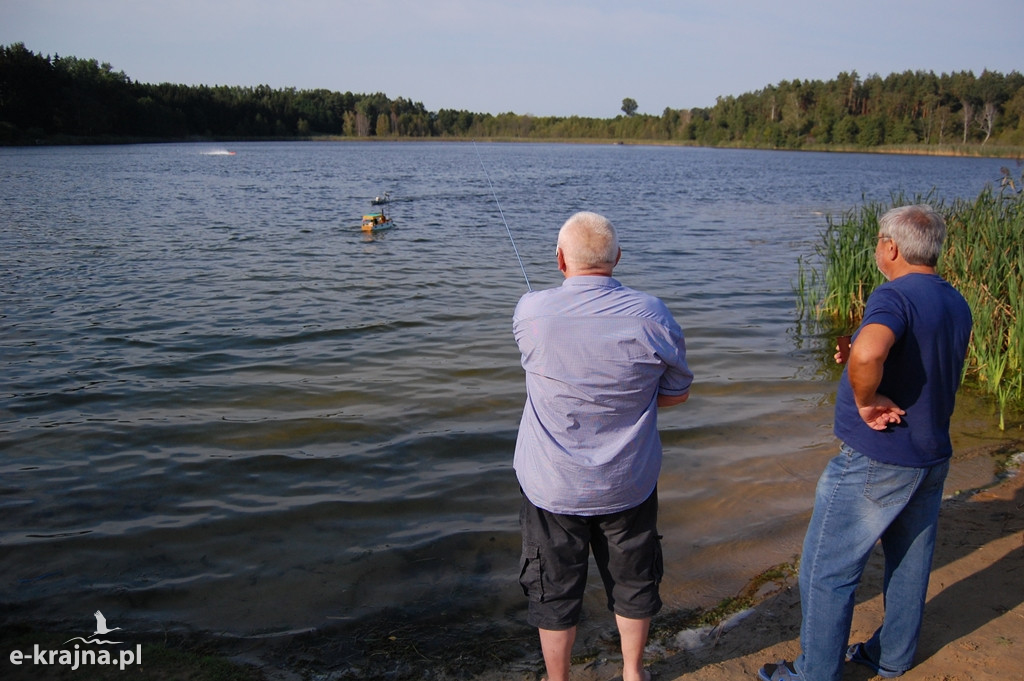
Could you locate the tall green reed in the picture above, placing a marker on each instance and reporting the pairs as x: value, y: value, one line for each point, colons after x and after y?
x: 984, y: 254
x: 983, y: 259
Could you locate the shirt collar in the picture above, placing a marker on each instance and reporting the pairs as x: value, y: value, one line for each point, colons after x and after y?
x: 593, y: 280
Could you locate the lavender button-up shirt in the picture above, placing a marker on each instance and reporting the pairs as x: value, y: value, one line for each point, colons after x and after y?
x: 596, y: 355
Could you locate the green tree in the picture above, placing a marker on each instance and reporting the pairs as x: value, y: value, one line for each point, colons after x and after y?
x: 629, y: 106
x: 963, y: 88
x: 871, y: 131
x: 845, y: 130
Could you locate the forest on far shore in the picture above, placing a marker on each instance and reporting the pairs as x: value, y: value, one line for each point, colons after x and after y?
x: 46, y: 99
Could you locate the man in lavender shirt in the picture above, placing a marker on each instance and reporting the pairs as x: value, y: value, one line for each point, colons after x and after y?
x: 600, y: 358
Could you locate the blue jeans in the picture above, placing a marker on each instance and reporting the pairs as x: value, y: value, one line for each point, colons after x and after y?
x: 859, y: 501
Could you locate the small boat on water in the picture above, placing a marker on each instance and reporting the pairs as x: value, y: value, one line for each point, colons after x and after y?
x: 381, y: 200
x: 374, y: 221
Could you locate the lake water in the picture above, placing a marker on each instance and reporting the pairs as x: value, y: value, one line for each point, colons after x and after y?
x: 226, y: 409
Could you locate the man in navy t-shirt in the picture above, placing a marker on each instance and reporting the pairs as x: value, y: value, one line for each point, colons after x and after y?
x: 892, y: 415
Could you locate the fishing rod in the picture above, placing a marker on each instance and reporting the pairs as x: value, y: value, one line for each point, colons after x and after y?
x: 502, y: 213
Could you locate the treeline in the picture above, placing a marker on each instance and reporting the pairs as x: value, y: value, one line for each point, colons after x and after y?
x: 45, y: 98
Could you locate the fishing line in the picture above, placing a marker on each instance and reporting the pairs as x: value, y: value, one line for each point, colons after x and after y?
x: 502, y: 213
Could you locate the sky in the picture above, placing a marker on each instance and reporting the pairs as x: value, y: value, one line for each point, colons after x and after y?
x: 539, y: 57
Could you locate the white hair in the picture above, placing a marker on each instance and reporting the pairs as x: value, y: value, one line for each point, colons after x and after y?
x: 588, y: 240
x: 918, y: 232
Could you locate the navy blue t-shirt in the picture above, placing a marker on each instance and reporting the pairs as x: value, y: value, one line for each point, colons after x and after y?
x: 932, y: 324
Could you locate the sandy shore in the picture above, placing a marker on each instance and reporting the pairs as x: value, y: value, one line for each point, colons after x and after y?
x: 973, y: 629
x: 974, y: 626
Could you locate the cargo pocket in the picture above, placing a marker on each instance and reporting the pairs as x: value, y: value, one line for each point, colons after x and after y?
x: 530, y: 574
x: 658, y: 569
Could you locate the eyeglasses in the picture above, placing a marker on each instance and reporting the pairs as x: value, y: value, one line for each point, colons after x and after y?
x: 889, y: 238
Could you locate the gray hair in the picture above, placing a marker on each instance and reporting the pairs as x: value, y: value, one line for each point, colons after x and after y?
x: 918, y: 232
x: 588, y: 240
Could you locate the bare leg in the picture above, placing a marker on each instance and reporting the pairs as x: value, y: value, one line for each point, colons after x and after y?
x: 557, y: 649
x: 633, y: 634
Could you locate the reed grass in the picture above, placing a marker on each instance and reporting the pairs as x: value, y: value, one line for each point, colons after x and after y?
x: 983, y: 256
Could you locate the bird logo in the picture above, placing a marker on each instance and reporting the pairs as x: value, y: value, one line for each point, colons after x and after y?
x: 101, y: 624
x: 101, y: 630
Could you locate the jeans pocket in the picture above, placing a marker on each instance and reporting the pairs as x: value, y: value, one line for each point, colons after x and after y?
x: 888, y: 485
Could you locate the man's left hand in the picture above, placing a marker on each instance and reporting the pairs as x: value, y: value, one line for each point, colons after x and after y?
x: 880, y: 413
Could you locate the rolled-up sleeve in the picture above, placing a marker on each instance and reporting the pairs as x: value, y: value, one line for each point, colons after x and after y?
x: 677, y: 377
